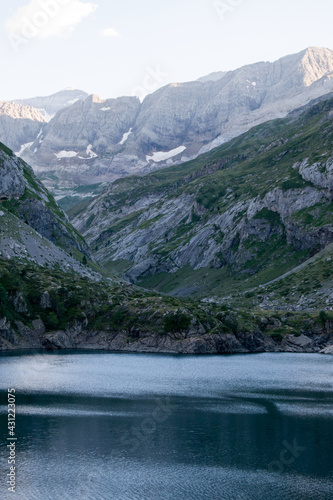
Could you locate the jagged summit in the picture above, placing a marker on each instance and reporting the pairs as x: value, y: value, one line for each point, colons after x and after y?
x: 91, y: 140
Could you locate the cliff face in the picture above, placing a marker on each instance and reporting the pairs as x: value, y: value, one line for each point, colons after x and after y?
x: 25, y: 197
x: 263, y: 201
x: 95, y: 140
x: 12, y: 183
x: 78, y: 143
x: 19, y: 125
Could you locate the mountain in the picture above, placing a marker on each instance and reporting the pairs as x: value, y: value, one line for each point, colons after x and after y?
x: 234, y: 218
x: 49, y: 300
x: 93, y: 141
x: 48, y: 106
x: 71, y: 144
x: 33, y: 227
x: 19, y: 125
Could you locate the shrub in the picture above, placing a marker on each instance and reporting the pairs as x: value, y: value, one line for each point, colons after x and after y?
x: 176, y: 322
x: 323, y: 317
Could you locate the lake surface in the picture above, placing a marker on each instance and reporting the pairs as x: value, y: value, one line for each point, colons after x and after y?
x: 153, y: 427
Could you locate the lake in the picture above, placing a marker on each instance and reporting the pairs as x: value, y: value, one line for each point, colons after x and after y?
x: 157, y: 427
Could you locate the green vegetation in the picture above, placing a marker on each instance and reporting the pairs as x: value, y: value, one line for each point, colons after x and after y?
x: 246, y: 168
x: 176, y: 322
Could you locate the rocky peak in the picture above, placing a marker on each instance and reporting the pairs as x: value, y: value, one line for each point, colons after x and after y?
x: 50, y: 105
x: 316, y: 63
x: 20, y: 111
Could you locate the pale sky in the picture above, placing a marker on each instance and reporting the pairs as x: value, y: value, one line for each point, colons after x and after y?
x: 130, y: 47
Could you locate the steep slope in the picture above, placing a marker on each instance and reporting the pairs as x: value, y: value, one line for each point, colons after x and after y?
x: 19, y: 125
x: 49, y: 300
x: 309, y: 285
x: 76, y: 145
x: 24, y: 196
x: 103, y: 140
x: 238, y: 216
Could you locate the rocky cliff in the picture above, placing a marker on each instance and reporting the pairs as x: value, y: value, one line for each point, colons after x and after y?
x: 95, y: 140
x: 248, y: 211
x: 19, y: 125
x: 24, y: 197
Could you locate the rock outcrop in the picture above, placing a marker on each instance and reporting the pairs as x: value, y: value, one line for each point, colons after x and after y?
x: 19, y: 125
x: 26, y: 198
x: 78, y: 337
x: 12, y: 183
x: 252, y: 204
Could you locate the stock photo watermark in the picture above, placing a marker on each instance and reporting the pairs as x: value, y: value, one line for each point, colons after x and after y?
x: 226, y: 7
x: 287, y: 457
x: 12, y: 439
x: 46, y: 18
x: 137, y: 435
x: 153, y: 80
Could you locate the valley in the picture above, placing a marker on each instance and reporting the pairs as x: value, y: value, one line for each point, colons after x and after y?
x: 193, y: 242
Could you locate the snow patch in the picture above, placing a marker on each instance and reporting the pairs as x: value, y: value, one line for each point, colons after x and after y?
x: 165, y: 155
x: 105, y: 109
x: 23, y: 148
x: 126, y: 136
x: 73, y: 101
x: 90, y: 152
x: 65, y: 154
x: 254, y: 84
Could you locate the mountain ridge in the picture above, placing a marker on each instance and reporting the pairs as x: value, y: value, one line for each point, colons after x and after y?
x: 251, y: 210
x: 174, y: 124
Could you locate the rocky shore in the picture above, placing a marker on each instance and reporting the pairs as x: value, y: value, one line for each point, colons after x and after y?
x: 78, y: 337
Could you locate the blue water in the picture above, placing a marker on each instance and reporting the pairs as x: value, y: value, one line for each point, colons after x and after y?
x: 144, y: 427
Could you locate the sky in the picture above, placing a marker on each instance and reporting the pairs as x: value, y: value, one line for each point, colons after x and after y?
x: 132, y: 47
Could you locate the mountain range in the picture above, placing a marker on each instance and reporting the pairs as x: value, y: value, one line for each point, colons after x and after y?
x: 215, y: 234
x: 72, y: 139
x: 231, y: 220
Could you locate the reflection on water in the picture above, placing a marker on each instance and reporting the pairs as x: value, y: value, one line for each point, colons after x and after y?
x: 145, y: 427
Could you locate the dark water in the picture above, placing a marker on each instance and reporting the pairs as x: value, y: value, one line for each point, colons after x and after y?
x: 145, y: 427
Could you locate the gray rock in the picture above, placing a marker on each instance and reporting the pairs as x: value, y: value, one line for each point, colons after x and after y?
x: 197, y: 116
x: 327, y: 350
x: 12, y: 183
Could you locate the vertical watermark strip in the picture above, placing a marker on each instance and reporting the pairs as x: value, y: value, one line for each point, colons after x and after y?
x: 12, y: 440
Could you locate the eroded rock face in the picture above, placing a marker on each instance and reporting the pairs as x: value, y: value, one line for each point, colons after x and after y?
x: 37, y: 208
x: 182, y: 119
x: 12, y: 183
x: 19, y: 124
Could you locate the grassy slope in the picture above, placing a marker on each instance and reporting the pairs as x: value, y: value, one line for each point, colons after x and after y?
x: 249, y: 166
